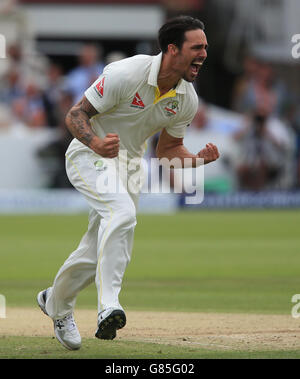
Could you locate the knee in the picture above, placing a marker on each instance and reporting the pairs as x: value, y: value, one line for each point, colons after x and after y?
x: 126, y: 217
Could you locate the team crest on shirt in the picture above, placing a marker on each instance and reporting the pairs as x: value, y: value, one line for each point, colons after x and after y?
x: 100, y: 87
x: 171, y: 108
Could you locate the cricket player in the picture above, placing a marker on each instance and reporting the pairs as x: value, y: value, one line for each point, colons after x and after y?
x: 130, y: 101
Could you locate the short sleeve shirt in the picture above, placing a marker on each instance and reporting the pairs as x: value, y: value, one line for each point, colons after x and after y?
x: 127, y: 98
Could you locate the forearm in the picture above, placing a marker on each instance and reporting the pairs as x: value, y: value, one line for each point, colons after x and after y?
x: 175, y: 153
x: 179, y: 156
x: 79, y: 125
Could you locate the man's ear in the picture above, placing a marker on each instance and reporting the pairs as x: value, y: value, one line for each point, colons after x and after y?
x: 173, y: 49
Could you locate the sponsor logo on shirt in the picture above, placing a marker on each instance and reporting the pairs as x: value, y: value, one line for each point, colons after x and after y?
x: 100, y: 165
x: 137, y: 102
x: 171, y: 108
x: 100, y: 87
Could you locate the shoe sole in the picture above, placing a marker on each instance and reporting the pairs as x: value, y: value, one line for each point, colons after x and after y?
x: 107, y: 329
x: 42, y: 301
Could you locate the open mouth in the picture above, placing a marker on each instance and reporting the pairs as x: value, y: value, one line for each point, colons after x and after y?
x: 195, y: 66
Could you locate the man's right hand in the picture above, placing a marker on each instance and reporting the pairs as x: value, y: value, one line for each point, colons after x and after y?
x: 108, y: 147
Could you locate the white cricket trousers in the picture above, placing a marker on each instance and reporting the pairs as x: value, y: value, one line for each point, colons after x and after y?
x: 105, y: 250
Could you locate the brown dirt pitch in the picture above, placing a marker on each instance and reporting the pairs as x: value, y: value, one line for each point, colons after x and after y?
x: 217, y: 331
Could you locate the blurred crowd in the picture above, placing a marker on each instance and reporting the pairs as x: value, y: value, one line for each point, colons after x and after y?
x: 258, y: 138
x: 268, y: 139
x: 41, y: 100
x: 265, y: 140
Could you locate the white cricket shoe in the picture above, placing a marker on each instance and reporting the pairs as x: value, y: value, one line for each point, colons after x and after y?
x: 65, y: 329
x: 109, y: 321
x: 67, y: 332
x: 41, y: 299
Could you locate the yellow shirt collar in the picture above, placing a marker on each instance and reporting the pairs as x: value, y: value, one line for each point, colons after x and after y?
x: 171, y: 93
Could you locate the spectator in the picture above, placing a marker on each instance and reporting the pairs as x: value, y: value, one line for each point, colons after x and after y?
x: 11, y: 88
x: 28, y: 63
x: 258, y: 85
x: 90, y: 67
x: 29, y: 109
x: 52, y: 95
x: 52, y: 155
x: 293, y: 118
x: 18, y: 71
x: 243, y: 82
x: 265, y: 148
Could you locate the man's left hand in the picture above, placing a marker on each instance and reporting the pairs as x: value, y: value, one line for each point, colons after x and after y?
x: 210, y: 153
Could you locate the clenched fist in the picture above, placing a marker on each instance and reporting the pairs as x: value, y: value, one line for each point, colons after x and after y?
x: 108, y: 147
x: 210, y: 153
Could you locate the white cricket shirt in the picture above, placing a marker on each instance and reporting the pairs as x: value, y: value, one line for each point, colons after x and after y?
x: 127, y: 98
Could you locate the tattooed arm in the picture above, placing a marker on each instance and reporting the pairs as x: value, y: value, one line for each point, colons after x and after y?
x: 78, y: 123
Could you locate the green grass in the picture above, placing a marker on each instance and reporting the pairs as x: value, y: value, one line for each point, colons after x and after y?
x: 194, y: 261
x: 208, y: 261
x: 43, y: 348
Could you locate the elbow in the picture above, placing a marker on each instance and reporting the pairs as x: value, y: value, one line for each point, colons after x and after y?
x: 67, y: 119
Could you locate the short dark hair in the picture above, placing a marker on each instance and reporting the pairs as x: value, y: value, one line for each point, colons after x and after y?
x: 173, y: 31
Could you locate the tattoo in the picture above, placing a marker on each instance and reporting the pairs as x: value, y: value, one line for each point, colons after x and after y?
x: 87, y: 107
x: 78, y: 121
